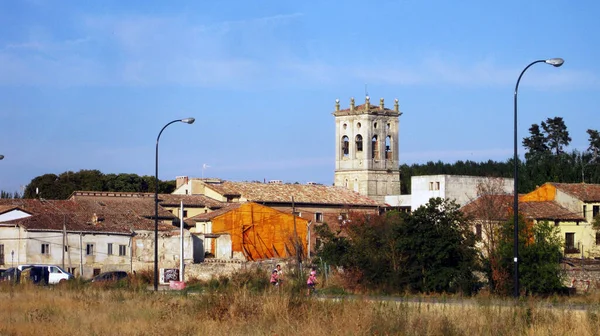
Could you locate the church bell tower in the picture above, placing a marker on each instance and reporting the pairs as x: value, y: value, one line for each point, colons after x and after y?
x: 366, y: 148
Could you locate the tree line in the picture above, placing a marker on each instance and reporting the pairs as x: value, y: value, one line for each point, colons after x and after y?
x: 52, y: 186
x: 545, y: 160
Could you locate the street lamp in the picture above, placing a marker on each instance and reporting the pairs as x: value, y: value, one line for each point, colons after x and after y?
x: 556, y: 62
x: 187, y: 121
x: 1, y: 157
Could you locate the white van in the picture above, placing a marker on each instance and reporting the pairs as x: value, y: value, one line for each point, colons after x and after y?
x: 51, y: 274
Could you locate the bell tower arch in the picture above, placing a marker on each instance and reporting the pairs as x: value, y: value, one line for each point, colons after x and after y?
x: 366, y: 150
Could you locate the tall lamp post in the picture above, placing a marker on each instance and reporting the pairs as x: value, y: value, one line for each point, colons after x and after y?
x: 1, y: 157
x: 187, y: 121
x: 554, y: 62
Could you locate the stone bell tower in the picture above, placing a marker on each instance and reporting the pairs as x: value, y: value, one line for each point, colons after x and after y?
x: 366, y: 148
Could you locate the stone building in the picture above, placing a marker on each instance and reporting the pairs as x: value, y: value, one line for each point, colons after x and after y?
x: 366, y: 149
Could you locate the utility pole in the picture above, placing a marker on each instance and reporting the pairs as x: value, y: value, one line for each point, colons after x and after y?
x: 296, y: 247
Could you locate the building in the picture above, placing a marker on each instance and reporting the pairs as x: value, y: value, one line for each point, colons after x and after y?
x: 569, y: 206
x: 250, y: 231
x: 460, y: 188
x: 316, y: 203
x: 366, y: 149
x: 92, y: 232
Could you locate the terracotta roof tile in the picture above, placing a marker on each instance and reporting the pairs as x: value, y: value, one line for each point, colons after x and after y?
x: 90, y: 214
x: 583, y: 191
x: 210, y: 215
x: 499, y: 207
x: 302, y: 193
x: 190, y: 201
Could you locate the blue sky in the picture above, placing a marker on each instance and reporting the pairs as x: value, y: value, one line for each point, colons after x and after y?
x: 88, y: 85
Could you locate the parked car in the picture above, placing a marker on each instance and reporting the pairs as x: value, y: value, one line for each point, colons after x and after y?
x: 11, y: 274
x: 110, y: 276
x: 48, y: 274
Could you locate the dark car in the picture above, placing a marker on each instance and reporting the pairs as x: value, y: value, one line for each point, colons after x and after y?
x: 110, y: 276
x: 12, y: 275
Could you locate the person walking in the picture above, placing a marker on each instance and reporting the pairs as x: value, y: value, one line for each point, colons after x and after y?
x: 311, y: 282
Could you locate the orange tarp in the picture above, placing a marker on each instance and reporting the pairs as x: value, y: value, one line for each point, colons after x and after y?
x: 546, y: 192
x: 260, y: 232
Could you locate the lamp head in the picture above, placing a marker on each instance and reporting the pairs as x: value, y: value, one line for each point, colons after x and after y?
x: 555, y: 62
x: 1, y: 157
x: 188, y: 120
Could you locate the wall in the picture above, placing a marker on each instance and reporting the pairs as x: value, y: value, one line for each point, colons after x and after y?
x: 10, y: 238
x: 462, y: 189
x: 168, y: 249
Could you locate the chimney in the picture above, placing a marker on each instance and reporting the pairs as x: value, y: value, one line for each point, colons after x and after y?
x: 181, y: 180
x: 381, y: 105
x: 337, y: 105
x: 352, y: 104
x: 396, y: 106
x: 367, y: 103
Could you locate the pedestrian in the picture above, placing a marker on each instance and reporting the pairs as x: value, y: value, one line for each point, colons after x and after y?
x: 311, y: 282
x: 279, y: 273
x: 274, y: 278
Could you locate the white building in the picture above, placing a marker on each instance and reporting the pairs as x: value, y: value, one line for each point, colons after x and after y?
x: 459, y: 188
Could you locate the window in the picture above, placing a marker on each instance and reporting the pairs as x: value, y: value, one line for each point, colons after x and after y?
x: 359, y: 143
x: 46, y: 249
x: 89, y: 249
x: 109, y: 249
x: 430, y: 185
x: 437, y: 185
x: 66, y: 248
x: 184, y: 213
x: 584, y: 211
x: 122, y: 250
x: 318, y: 217
x: 375, y: 148
x: 595, y: 210
x: 1, y: 254
x: 478, y: 231
x: 345, y: 146
x: 570, y: 243
x: 97, y: 271
x: 597, y: 238
x: 388, y: 148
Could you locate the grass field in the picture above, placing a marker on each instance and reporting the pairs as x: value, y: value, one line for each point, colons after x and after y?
x: 30, y: 310
x: 249, y: 309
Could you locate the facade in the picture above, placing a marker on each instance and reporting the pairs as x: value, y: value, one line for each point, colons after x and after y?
x: 250, y: 231
x: 460, y: 188
x: 91, y: 233
x: 569, y: 206
x: 316, y: 203
x: 366, y: 149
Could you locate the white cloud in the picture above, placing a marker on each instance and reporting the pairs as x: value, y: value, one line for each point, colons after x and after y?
x: 243, y: 54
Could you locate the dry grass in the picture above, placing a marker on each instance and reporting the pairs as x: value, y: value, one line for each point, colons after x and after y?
x: 91, y: 310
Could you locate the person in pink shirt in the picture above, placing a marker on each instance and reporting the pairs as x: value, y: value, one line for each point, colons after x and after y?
x: 274, y: 278
x: 311, y: 282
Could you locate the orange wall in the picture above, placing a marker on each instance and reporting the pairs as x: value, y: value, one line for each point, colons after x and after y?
x: 261, y: 232
x: 546, y: 192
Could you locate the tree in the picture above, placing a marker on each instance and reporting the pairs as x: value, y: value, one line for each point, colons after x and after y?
x: 438, y: 247
x: 557, y: 135
x: 594, y: 141
x: 539, y: 257
x: 536, y: 143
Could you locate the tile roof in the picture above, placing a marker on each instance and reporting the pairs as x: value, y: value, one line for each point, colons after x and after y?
x: 210, y: 215
x: 302, y: 193
x: 190, y: 201
x: 499, y: 207
x: 89, y: 214
x: 582, y: 191
x: 548, y: 210
x: 490, y: 207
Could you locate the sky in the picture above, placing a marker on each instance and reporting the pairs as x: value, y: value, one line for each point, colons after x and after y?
x: 89, y: 85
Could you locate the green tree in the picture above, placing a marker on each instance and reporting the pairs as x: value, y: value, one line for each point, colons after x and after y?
x: 594, y: 140
x: 557, y: 135
x: 438, y: 247
x: 539, y: 257
x: 535, y: 144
